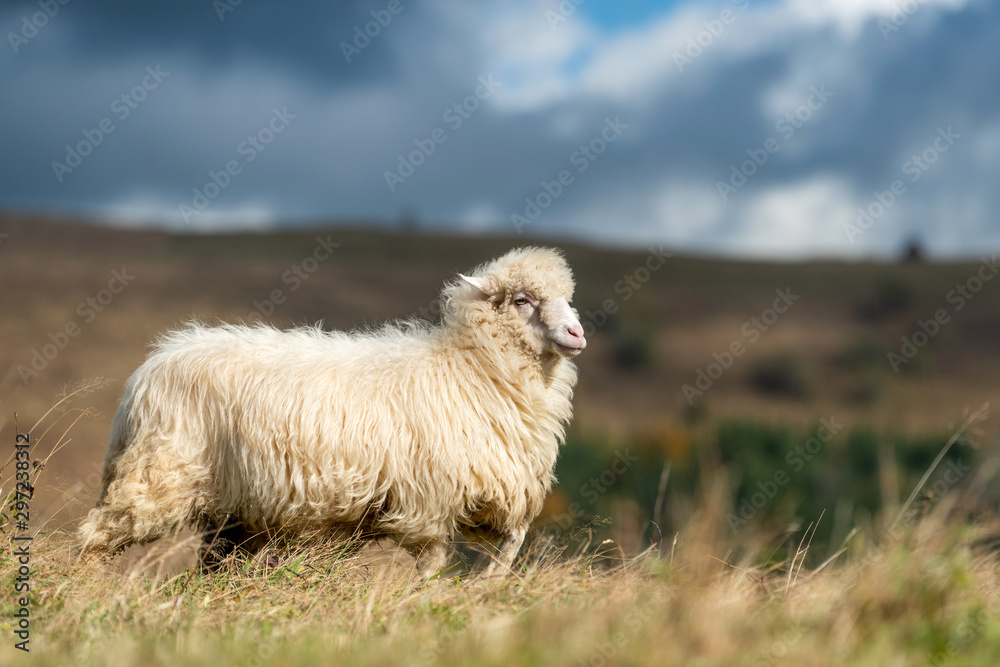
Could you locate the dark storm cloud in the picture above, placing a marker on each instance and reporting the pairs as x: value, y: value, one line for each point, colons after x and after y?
x: 349, y: 123
x: 302, y: 38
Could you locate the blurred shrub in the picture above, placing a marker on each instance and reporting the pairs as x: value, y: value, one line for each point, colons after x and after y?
x: 696, y: 412
x: 855, y: 473
x: 866, y: 360
x: 864, y: 391
x: 665, y: 440
x: 753, y: 452
x: 889, y: 296
x: 922, y: 361
x: 818, y: 473
x: 864, y: 354
x: 786, y: 375
x: 631, y: 345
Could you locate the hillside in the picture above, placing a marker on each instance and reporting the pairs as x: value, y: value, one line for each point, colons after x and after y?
x: 93, y: 298
x: 719, y: 571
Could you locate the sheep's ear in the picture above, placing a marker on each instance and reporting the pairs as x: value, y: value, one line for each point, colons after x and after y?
x: 478, y: 283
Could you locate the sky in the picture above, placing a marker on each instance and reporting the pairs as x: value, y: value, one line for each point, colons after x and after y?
x: 784, y: 129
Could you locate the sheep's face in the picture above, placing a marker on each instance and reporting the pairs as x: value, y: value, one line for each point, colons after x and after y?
x: 551, y: 324
x: 545, y: 325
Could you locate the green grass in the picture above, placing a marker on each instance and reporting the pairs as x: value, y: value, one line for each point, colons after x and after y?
x: 921, y: 593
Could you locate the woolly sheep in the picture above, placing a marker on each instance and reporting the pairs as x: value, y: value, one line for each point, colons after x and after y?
x: 415, y: 431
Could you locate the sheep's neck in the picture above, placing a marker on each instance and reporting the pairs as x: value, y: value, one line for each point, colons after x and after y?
x: 509, y: 359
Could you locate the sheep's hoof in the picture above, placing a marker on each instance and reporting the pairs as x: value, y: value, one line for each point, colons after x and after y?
x: 212, y: 556
x: 95, y: 554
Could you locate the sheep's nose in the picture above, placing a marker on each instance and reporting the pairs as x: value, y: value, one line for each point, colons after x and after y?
x: 575, y: 331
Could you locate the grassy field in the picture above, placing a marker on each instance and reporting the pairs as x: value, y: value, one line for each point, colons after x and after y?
x: 861, y: 559
x: 920, y: 591
x: 926, y: 599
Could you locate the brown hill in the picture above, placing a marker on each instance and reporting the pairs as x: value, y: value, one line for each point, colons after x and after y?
x: 83, y: 302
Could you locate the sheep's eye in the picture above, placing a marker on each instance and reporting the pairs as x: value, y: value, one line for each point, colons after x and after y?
x: 520, y: 301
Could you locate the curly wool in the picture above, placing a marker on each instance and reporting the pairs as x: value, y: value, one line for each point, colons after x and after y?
x: 413, y: 431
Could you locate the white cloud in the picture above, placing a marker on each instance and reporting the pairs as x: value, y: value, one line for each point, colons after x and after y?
x: 577, y: 59
x: 537, y: 65
x: 687, y: 211
x: 849, y: 16
x: 799, y: 219
x: 146, y: 210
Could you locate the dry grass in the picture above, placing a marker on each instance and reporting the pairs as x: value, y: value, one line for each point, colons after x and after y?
x: 922, y: 594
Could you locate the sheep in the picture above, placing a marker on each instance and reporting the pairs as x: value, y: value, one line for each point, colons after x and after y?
x: 416, y: 431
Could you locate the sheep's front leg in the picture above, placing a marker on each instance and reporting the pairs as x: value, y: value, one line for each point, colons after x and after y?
x: 508, y: 551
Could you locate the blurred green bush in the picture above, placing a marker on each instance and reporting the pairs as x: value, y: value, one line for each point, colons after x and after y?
x: 824, y: 466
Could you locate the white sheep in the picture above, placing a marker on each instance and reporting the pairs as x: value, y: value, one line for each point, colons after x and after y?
x: 415, y: 432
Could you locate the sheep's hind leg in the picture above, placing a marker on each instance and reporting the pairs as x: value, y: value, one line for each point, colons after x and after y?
x: 137, y: 509
x: 219, y: 541
x: 508, y: 552
x: 105, y: 533
x: 431, y: 555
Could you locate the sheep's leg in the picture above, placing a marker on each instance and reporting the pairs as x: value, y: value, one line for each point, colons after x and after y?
x: 431, y: 555
x: 219, y: 541
x: 144, y: 503
x: 104, y: 533
x: 508, y: 551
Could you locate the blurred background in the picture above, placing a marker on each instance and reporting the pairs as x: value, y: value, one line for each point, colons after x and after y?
x: 782, y: 216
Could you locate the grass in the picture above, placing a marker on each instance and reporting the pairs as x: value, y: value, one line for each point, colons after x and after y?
x: 926, y: 592
x: 924, y: 589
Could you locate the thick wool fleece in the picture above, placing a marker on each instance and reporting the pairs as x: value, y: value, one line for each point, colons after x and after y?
x: 413, y: 431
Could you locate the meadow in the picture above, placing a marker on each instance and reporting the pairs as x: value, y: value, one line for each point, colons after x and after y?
x: 813, y: 505
x: 922, y: 589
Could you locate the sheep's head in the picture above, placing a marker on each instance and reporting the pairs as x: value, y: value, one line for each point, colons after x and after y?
x: 528, y: 293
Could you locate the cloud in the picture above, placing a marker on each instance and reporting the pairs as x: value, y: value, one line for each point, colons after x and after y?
x: 693, y: 112
x: 795, y: 220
